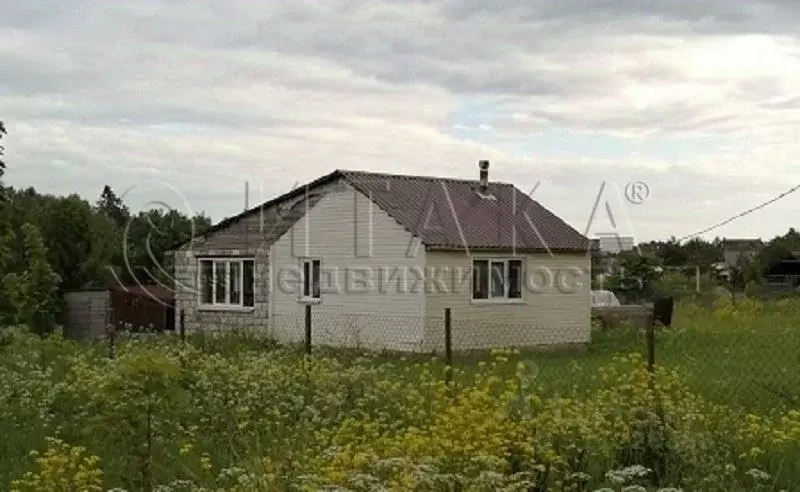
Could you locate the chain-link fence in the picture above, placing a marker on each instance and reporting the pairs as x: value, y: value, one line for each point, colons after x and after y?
x: 425, y: 333
x: 743, y: 351
x: 737, y: 351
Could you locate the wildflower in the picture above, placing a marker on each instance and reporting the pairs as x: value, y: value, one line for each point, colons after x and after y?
x: 758, y: 475
x: 185, y: 449
x: 62, y: 467
x: 626, y: 475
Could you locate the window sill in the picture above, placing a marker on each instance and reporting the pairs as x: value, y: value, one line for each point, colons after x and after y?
x: 492, y: 302
x: 309, y: 300
x: 235, y: 309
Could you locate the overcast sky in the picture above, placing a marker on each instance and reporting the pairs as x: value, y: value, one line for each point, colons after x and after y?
x: 179, y: 103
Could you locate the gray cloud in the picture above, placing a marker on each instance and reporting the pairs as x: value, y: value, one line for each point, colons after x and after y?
x: 208, y: 94
x: 709, y: 16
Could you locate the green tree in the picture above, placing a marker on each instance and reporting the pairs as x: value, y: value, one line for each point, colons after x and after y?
x: 702, y: 253
x: 2, y: 161
x: 2, y: 149
x: 113, y: 207
x: 777, y: 249
x: 634, y: 275
x: 694, y: 252
x: 104, y: 263
x: 87, y: 245
x: 32, y: 293
x: 746, y: 271
x: 67, y: 226
x: 77, y: 236
x: 149, y: 235
x: 672, y: 253
x: 8, y: 265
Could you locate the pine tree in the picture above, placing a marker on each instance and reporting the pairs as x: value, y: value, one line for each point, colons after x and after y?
x: 2, y: 149
x: 2, y: 162
x: 113, y: 207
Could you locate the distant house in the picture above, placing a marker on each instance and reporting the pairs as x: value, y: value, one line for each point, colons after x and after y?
x: 379, y: 257
x: 613, y: 243
x: 735, y: 250
x: 604, y: 249
x: 785, y: 275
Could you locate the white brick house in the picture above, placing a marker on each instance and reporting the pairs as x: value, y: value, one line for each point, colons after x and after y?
x: 379, y: 257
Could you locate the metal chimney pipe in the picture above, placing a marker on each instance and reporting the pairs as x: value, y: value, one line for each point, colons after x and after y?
x: 246, y: 195
x: 484, y: 175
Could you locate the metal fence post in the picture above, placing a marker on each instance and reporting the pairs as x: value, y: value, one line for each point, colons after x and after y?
x: 182, y: 325
x: 110, y: 330
x: 111, y: 336
x: 308, y: 329
x: 650, y: 336
x: 448, y: 346
x: 697, y: 279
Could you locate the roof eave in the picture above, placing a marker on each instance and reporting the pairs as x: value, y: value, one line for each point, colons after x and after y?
x: 232, y: 220
x: 521, y: 249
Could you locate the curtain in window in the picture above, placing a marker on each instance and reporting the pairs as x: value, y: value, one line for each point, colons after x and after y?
x: 480, y: 279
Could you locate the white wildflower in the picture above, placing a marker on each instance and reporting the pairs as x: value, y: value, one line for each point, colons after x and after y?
x: 758, y: 475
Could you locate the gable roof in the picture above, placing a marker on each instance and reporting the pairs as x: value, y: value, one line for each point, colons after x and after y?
x: 448, y: 213
x: 275, y: 222
x: 738, y: 244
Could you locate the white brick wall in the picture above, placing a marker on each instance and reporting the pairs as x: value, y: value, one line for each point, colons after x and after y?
x: 550, y: 314
x: 355, y: 238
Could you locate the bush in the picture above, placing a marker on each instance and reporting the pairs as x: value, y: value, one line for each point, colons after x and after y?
x: 61, y: 467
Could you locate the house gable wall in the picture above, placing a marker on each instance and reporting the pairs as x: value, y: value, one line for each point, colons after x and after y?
x: 249, y: 237
x: 370, y: 264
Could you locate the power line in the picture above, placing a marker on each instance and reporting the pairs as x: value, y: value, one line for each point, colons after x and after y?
x: 742, y: 214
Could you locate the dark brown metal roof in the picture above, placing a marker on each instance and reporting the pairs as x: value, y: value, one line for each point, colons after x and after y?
x: 452, y: 214
x: 276, y: 223
x: 147, y: 290
x: 447, y: 213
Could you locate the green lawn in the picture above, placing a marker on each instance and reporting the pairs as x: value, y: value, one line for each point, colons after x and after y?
x: 750, y: 361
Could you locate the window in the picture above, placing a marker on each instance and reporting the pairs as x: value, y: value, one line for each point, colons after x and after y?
x: 249, y: 281
x: 497, y: 279
x: 311, y: 279
x: 480, y: 279
x: 227, y: 282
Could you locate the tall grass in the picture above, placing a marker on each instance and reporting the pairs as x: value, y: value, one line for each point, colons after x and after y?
x: 234, y: 412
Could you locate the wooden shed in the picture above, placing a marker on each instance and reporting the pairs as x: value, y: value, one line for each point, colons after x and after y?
x: 89, y: 312
x: 86, y: 313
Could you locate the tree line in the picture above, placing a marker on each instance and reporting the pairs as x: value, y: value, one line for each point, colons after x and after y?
x: 50, y: 244
x: 671, y: 266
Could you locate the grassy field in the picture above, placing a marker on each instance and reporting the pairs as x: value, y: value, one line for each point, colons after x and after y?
x: 239, y: 414
x: 747, y: 356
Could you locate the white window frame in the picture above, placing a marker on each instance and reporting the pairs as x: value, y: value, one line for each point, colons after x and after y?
x: 311, y: 298
x: 505, y: 299
x: 227, y: 305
